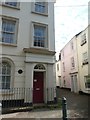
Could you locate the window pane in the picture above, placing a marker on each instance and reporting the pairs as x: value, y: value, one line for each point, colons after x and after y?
x: 6, y: 75
x: 8, y: 38
x: 11, y: 3
x: 8, y: 31
x: 8, y: 26
x: 3, y: 69
x: 39, y: 36
x: 7, y: 82
x: 40, y: 7
x: 3, y: 82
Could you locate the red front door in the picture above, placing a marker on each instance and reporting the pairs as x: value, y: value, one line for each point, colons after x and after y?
x: 38, y: 87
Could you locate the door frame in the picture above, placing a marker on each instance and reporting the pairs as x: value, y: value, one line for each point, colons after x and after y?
x: 42, y: 71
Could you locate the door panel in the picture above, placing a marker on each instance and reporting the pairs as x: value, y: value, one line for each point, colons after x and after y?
x: 38, y: 87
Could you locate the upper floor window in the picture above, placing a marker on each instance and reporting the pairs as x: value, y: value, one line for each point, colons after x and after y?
x: 9, y: 30
x: 40, y: 35
x: 72, y: 62
x: 5, y: 75
x: 11, y: 3
x: 40, y: 7
x: 85, y: 58
x: 83, y: 39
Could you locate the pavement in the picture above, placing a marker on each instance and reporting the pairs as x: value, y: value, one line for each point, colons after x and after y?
x: 77, y: 107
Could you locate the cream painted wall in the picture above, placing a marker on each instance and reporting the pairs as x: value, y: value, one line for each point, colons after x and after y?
x: 26, y: 17
x: 27, y: 61
x: 18, y: 79
x: 83, y: 69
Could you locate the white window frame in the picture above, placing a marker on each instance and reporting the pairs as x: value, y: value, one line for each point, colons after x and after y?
x: 85, y: 59
x: 6, y: 75
x: 10, y: 62
x: 6, y: 3
x: 46, y: 38
x: 83, y: 39
x: 37, y: 12
x: 8, y: 19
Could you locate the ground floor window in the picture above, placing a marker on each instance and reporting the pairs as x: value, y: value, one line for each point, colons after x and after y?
x: 5, y: 75
x: 87, y: 81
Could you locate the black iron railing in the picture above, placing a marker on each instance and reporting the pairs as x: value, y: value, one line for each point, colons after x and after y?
x: 23, y: 97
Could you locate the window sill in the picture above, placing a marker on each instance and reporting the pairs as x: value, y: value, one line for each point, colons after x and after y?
x: 44, y: 48
x: 43, y: 14
x: 87, y: 89
x: 39, y: 51
x: 85, y: 63
x: 83, y: 43
x: 8, y: 44
x: 9, y: 6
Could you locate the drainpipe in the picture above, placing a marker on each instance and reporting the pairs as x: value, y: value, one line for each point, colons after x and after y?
x: 79, y: 85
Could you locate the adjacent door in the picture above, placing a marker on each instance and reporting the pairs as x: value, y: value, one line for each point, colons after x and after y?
x: 38, y: 86
x: 74, y: 87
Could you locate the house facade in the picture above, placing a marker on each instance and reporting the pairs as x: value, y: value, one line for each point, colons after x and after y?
x: 83, y: 60
x: 69, y: 65
x: 58, y: 73
x: 27, y: 46
x: 75, y: 63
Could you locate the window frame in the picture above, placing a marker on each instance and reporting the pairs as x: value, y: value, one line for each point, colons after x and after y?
x: 10, y: 62
x: 83, y: 39
x: 5, y: 82
x: 8, y: 19
x: 37, y: 12
x: 46, y: 38
x: 11, y: 6
x: 85, y: 60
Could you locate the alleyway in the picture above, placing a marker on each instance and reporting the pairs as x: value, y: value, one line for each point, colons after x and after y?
x: 77, y: 105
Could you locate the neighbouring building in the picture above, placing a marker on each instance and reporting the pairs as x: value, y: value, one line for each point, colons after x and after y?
x: 83, y: 60
x: 69, y: 65
x: 75, y: 63
x: 58, y: 72
x: 27, y: 55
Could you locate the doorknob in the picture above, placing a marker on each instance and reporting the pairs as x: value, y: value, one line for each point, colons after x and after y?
x: 37, y: 88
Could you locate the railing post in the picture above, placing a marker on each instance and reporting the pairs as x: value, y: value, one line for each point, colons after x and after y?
x: 64, y: 108
x: 0, y: 108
